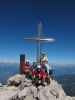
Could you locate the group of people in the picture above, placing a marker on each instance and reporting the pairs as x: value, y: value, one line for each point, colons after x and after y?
x: 43, y: 64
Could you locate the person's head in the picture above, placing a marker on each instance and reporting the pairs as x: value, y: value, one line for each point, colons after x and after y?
x: 44, y: 59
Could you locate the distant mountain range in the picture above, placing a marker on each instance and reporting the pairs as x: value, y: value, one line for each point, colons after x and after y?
x: 64, y: 70
x: 8, y: 63
x: 58, y: 70
x: 68, y: 83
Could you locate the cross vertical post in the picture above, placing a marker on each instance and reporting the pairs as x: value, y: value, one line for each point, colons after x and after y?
x: 39, y: 39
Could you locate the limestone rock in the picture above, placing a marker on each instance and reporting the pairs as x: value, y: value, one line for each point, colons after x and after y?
x: 27, y: 91
x: 15, y: 80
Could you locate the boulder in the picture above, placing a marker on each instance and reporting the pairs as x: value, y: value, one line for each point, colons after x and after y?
x: 15, y: 80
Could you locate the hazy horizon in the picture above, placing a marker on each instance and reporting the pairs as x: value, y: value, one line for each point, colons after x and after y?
x: 53, y: 64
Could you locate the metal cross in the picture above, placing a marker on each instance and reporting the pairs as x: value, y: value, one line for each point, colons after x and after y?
x: 40, y: 39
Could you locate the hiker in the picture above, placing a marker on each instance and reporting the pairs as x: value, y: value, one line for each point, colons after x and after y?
x: 45, y: 65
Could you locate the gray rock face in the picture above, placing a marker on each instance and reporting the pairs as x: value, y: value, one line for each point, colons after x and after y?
x: 27, y: 91
x: 15, y: 80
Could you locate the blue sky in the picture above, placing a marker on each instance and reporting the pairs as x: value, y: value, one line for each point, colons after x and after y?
x: 19, y: 18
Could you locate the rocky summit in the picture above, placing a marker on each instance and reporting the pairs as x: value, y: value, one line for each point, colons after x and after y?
x: 20, y: 88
